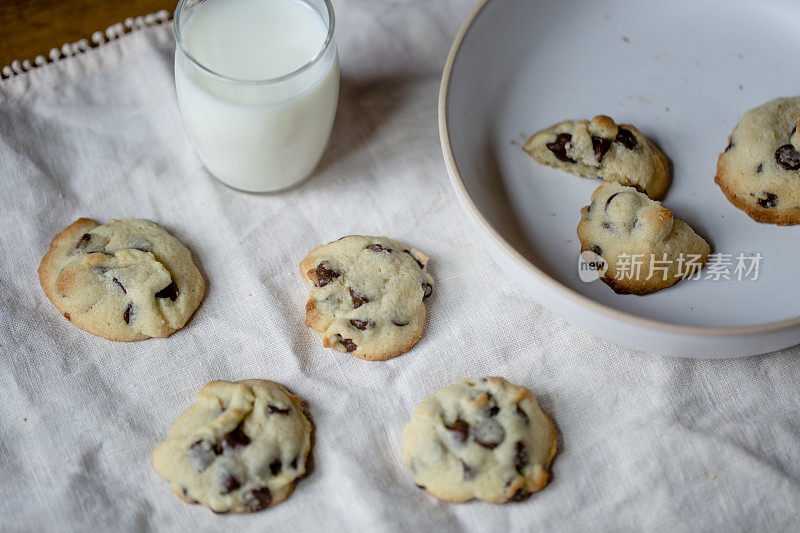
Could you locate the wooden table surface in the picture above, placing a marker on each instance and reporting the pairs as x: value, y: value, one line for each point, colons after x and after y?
x: 29, y: 28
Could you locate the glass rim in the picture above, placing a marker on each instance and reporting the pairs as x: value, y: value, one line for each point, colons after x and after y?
x: 267, y: 81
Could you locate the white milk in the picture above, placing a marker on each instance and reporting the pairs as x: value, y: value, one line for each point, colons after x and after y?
x: 257, y: 136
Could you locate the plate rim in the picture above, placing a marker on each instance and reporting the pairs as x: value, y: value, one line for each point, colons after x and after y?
x: 472, y: 210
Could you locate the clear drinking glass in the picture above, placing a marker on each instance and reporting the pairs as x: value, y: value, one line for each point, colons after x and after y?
x: 258, y: 135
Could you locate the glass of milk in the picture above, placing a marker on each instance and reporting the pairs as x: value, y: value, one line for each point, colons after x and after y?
x: 257, y: 84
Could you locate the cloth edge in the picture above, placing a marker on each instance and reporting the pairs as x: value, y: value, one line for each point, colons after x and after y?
x: 18, y: 77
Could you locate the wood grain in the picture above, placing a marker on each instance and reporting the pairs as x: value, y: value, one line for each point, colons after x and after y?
x: 29, y: 28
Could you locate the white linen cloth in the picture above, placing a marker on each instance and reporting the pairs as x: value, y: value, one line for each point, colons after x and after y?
x: 647, y: 442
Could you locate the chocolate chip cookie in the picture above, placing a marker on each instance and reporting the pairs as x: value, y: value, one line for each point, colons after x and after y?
x: 645, y: 248
x: 480, y: 438
x: 126, y: 280
x: 366, y: 295
x: 603, y: 149
x: 759, y: 171
x: 239, y: 448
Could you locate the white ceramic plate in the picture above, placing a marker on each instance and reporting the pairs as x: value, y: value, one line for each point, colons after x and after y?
x: 682, y: 71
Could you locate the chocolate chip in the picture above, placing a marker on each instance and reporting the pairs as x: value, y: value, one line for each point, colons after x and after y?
x: 202, y: 454
x: 600, y: 146
x: 170, y: 291
x: 229, y: 484
x: 234, y: 439
x: 469, y: 473
x: 606, y: 226
x: 126, y: 314
x: 275, y: 467
x: 258, y: 499
x: 414, y: 258
x: 275, y: 410
x: 493, y: 409
x: 85, y: 238
x: 427, y: 290
x: 489, y: 434
x: 522, y: 414
x: 520, y: 495
x: 349, y: 345
x: 768, y: 200
x: 362, y: 324
x: 625, y: 138
x: 609, y: 200
x: 358, y: 300
x: 759, y: 168
x: 293, y: 464
x: 460, y: 430
x: 118, y: 282
x: 730, y: 143
x: 378, y: 248
x: 596, y: 249
x: 420, y: 486
x: 325, y: 275
x: 399, y: 323
x: 788, y: 157
x: 520, y: 456
x: 66, y: 315
x: 559, y: 147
